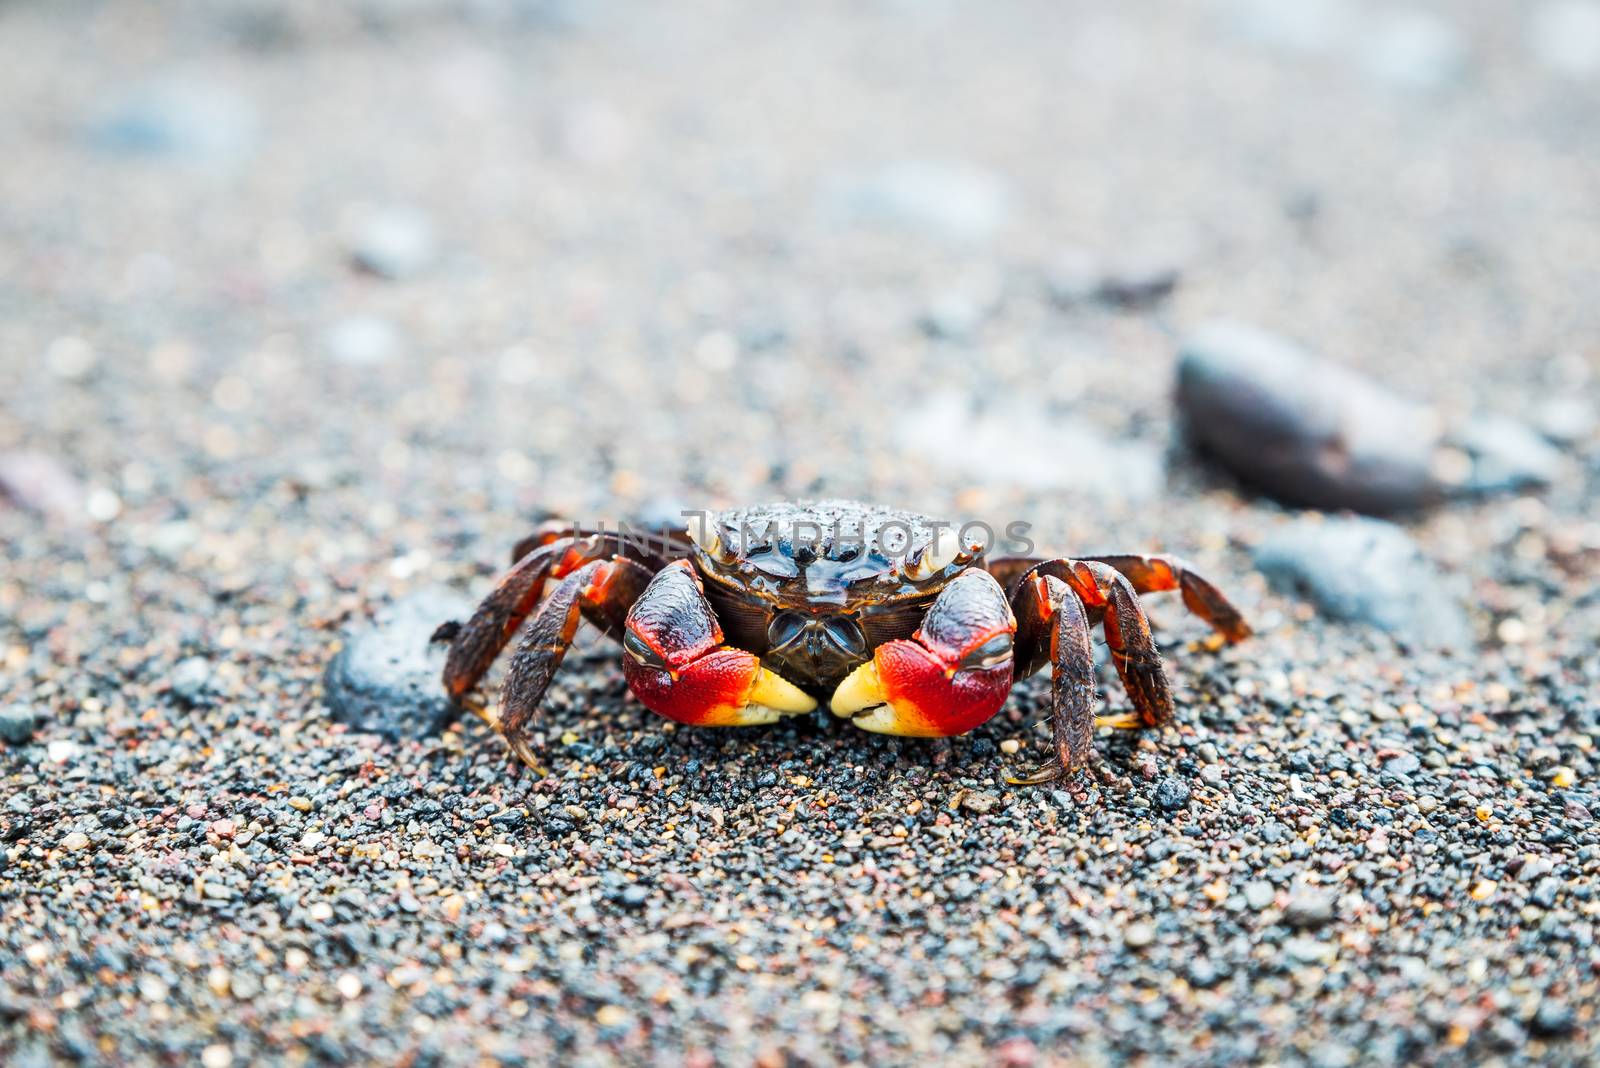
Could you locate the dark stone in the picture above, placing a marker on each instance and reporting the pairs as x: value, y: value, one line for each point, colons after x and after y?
x: 1172, y: 794
x: 17, y: 724
x: 1300, y: 428
x: 1553, y: 1020
x: 1365, y: 571
x: 386, y: 678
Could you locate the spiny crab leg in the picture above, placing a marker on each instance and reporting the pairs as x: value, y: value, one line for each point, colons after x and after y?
x: 600, y: 591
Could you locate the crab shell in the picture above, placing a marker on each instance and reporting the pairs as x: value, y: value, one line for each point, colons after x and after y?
x: 813, y: 588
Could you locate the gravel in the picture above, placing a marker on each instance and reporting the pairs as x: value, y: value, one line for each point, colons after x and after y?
x: 635, y: 300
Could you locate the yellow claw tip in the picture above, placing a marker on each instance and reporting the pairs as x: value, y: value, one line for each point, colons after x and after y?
x: 775, y: 692
x: 862, y: 688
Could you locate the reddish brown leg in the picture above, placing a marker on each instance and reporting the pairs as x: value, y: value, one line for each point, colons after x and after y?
x: 600, y: 591
x: 1008, y: 570
x: 646, y: 544
x: 543, y: 534
x: 1109, y: 596
x: 475, y: 643
x: 1152, y: 574
x: 1052, y: 624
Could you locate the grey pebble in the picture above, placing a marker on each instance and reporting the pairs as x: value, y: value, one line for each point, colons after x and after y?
x: 948, y: 200
x: 1506, y: 456
x: 17, y: 724
x: 191, y: 677
x: 1564, y: 36
x: 1259, y: 894
x: 386, y: 678
x: 1415, y: 50
x: 363, y: 340
x: 1308, y: 909
x: 1554, y: 1019
x: 1368, y: 571
x: 393, y: 242
x: 186, y: 118
x: 42, y: 484
x: 1139, y: 935
x: 1403, y: 764
x: 1172, y: 794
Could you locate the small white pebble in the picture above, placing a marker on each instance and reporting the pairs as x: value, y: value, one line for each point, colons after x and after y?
x: 216, y: 1055
x: 349, y: 985
x: 75, y: 840
x: 322, y: 912
x: 102, y: 505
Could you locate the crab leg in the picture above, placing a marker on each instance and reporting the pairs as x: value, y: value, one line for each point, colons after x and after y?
x: 1148, y: 574
x: 600, y: 591
x: 475, y: 643
x: 678, y: 665
x: 656, y: 545
x: 1053, y: 626
x: 1152, y: 574
x: 950, y: 676
x: 1110, y: 598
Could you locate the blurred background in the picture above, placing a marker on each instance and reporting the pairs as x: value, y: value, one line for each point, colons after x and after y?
x: 495, y: 257
x: 308, y: 307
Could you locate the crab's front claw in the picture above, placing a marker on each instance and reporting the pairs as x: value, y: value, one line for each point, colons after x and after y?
x: 677, y: 666
x: 723, y: 688
x: 907, y: 689
x: 948, y: 678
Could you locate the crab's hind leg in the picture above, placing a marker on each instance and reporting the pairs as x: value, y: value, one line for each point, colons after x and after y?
x: 1053, y: 627
x: 600, y: 591
x: 1153, y: 574
x: 679, y: 667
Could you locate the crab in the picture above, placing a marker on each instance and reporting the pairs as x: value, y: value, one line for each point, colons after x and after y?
x: 898, y: 623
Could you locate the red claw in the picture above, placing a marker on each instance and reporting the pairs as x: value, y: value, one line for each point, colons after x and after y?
x: 678, y: 667
x: 951, y: 676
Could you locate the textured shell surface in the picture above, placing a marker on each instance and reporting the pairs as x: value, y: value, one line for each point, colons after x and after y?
x: 831, y: 552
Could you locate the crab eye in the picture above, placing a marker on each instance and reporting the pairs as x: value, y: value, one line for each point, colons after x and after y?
x: 784, y: 628
x: 846, y: 635
x: 990, y: 653
x: 709, y: 539
x: 934, y: 558
x: 637, y: 648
